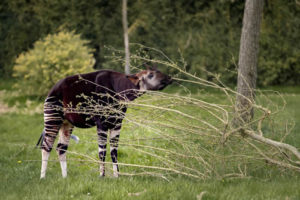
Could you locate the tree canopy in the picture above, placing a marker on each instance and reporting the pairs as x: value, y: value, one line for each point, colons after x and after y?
x: 205, y: 33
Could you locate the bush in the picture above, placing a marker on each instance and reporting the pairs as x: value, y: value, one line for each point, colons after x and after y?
x: 52, y: 58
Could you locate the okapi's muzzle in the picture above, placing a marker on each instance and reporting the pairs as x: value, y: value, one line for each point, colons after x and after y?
x: 165, y: 82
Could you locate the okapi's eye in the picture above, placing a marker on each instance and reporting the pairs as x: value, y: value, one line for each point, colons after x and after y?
x: 150, y: 75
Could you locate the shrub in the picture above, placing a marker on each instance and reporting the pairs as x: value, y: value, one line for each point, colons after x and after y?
x: 51, y: 59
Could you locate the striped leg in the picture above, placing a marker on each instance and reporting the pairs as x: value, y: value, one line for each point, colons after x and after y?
x: 102, y: 141
x: 62, y: 146
x: 113, y: 141
x: 52, y: 122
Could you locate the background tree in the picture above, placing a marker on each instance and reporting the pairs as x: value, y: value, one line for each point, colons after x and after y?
x: 248, y: 57
x: 126, y: 39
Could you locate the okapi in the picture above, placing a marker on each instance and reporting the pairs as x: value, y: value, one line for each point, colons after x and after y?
x: 106, y: 89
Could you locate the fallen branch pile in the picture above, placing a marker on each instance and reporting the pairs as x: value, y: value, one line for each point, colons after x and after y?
x: 194, y: 135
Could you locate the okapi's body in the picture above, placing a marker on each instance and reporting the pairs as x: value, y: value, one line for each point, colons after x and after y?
x: 106, y: 89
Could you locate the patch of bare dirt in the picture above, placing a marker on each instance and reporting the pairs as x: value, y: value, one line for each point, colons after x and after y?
x: 4, y: 108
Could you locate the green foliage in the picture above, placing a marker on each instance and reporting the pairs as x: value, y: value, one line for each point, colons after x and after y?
x: 206, y: 33
x: 279, y: 60
x: 52, y: 58
x: 16, y: 33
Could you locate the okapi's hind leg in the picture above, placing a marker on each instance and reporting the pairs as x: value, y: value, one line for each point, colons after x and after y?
x: 52, y: 123
x: 113, y: 141
x: 62, y: 146
x: 51, y: 132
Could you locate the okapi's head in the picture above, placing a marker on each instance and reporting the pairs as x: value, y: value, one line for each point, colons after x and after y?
x: 150, y: 79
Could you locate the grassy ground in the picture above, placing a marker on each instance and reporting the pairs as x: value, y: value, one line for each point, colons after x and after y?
x: 20, y: 169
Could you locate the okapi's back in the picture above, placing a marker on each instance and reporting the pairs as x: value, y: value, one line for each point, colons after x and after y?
x: 73, y: 85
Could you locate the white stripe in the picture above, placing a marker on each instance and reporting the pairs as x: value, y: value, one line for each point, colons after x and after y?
x: 114, y: 133
x: 101, y: 150
x: 115, y: 169
x: 63, y: 165
x: 113, y: 148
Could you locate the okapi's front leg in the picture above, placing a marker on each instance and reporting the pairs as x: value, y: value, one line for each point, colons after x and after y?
x: 114, y: 139
x: 102, y: 141
x: 62, y: 146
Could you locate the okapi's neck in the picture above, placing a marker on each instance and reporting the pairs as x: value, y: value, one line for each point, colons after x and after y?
x: 136, y: 79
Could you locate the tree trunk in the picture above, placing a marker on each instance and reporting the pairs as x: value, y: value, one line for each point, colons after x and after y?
x: 126, y: 40
x: 248, y: 57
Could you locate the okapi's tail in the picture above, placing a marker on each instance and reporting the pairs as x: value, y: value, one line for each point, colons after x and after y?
x: 40, y: 141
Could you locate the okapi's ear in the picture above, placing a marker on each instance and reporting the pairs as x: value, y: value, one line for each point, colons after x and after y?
x: 133, y: 78
x: 154, y: 66
x: 151, y: 67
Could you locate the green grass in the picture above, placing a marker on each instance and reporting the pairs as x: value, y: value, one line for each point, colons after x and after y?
x: 20, y: 169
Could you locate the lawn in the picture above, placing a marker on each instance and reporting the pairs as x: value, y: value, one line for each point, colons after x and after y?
x: 20, y: 165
